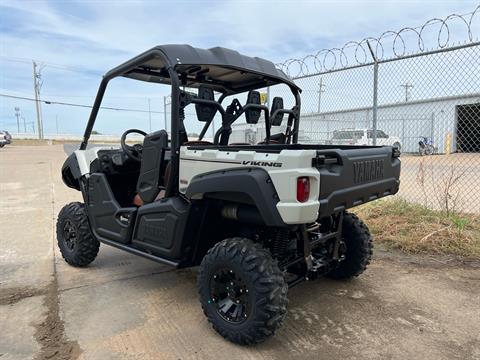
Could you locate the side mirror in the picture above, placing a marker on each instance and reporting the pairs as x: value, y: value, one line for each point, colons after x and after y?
x: 277, y: 104
x: 252, y: 115
x: 205, y: 113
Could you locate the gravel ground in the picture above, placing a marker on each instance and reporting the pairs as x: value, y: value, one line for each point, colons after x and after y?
x: 125, y: 307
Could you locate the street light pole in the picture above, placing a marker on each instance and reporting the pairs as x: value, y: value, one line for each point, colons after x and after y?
x: 17, y: 115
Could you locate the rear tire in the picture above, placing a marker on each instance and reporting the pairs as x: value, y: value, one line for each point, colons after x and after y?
x: 75, y: 239
x: 359, y: 248
x: 253, y: 304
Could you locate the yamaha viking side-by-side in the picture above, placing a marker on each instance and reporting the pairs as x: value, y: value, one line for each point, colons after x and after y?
x: 256, y: 219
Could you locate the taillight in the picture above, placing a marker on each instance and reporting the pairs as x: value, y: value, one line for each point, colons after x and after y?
x: 303, y: 188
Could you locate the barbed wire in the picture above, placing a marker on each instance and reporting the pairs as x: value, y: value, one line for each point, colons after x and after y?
x: 355, y: 53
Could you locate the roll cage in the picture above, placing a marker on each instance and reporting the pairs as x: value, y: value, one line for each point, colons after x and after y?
x: 223, y: 70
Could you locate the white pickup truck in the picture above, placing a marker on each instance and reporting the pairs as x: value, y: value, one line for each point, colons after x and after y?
x: 363, y: 137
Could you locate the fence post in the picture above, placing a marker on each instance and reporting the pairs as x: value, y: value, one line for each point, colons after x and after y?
x: 375, y: 95
x: 375, y: 102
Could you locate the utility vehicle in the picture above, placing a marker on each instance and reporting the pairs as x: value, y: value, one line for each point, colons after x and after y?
x: 257, y: 219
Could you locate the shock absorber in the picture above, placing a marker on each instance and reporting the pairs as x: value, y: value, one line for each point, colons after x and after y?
x: 280, y: 240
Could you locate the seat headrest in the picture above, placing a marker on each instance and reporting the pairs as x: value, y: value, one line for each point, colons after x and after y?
x: 205, y: 113
x: 252, y: 115
x: 277, y: 104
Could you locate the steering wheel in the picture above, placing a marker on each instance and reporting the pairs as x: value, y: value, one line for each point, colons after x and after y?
x: 132, y: 151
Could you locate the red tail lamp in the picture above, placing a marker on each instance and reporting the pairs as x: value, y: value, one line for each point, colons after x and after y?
x: 303, y: 188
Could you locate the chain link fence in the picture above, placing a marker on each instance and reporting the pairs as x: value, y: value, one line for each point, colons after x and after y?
x: 392, y: 90
x: 417, y: 88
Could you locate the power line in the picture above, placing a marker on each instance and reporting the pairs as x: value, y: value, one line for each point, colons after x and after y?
x: 50, y: 64
x: 50, y: 102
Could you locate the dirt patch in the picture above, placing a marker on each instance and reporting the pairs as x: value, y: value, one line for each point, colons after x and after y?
x: 50, y: 333
x: 385, y: 252
x: 11, y: 296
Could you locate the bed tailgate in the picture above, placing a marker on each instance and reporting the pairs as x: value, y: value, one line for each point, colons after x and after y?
x: 351, y: 177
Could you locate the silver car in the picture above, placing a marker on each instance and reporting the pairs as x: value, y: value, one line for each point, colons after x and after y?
x: 5, y: 138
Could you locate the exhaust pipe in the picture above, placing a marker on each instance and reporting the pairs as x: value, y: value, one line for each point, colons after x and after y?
x: 242, y: 213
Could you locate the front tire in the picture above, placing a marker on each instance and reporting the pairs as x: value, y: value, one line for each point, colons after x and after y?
x: 75, y: 239
x: 358, y: 248
x: 242, y: 291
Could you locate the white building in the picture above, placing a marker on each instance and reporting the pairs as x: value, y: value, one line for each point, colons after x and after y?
x: 452, y: 122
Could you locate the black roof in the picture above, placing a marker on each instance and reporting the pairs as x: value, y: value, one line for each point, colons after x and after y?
x: 225, y: 70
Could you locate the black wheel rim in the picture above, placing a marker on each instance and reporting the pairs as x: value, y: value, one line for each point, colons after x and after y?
x: 229, y: 295
x: 69, y: 234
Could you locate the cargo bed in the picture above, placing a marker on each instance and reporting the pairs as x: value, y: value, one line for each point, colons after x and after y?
x: 350, y: 175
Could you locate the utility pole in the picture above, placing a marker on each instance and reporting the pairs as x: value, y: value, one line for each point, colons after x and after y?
x: 17, y: 115
x: 149, y: 115
x: 321, y: 90
x: 56, y: 122
x: 24, y: 125
x: 407, y: 87
x: 36, y: 88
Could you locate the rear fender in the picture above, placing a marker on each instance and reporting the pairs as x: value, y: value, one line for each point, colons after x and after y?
x: 253, y: 182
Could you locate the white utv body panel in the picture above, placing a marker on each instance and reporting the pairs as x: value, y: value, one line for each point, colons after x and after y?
x: 284, y: 168
x: 86, y: 157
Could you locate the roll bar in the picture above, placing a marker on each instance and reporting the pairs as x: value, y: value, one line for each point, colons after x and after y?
x: 227, y: 119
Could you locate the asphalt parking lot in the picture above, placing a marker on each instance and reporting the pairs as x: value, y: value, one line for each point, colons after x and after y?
x: 126, y: 307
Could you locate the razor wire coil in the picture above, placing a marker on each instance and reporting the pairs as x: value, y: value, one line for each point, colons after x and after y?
x: 354, y: 53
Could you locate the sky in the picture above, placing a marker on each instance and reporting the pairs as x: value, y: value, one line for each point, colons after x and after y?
x: 75, y: 42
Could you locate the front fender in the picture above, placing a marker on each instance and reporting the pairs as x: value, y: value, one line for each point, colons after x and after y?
x: 251, y: 181
x: 71, y: 172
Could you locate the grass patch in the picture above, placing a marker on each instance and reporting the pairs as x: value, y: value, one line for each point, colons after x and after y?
x: 416, y: 229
